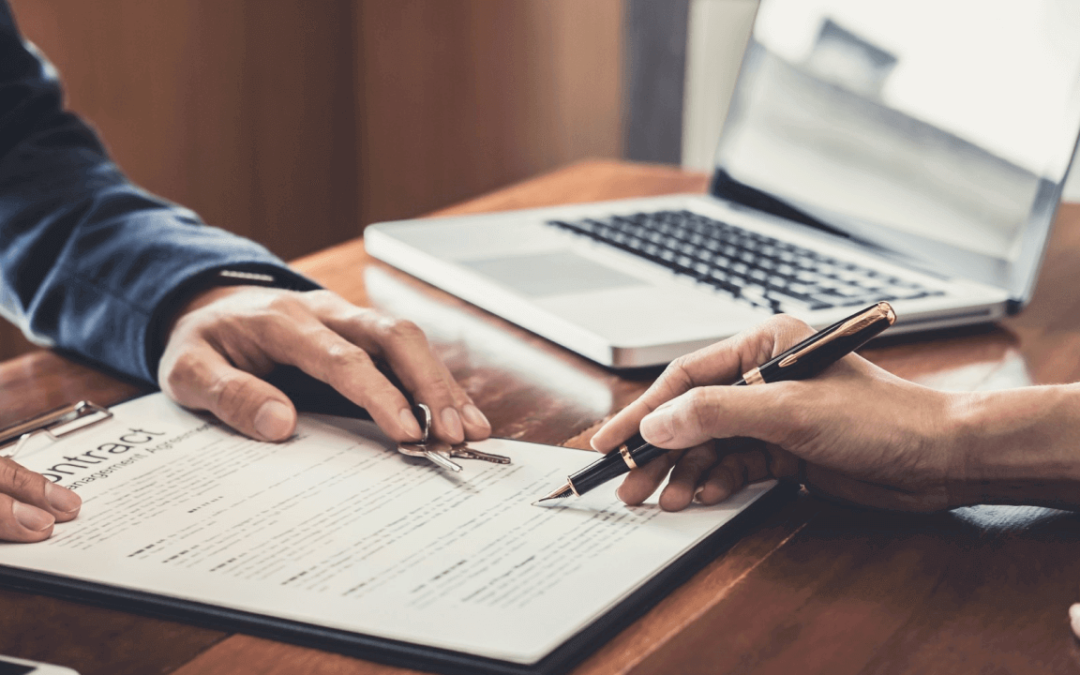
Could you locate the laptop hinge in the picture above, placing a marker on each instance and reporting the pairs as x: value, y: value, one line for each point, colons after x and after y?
x: 725, y: 187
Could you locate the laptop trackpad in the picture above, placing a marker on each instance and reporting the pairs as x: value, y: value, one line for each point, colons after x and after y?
x: 554, y: 273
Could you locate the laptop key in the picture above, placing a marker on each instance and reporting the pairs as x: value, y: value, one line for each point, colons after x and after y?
x: 758, y: 268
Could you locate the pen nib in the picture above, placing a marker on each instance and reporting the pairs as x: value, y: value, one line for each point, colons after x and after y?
x: 560, y: 493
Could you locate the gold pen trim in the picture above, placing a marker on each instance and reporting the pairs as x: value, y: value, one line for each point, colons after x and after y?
x: 753, y: 376
x: 626, y: 456
x: 882, y: 310
x: 573, y: 489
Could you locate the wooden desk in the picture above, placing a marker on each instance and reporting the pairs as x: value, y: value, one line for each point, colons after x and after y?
x: 816, y: 589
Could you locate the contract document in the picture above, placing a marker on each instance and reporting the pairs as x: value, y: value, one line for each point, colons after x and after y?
x: 335, y: 529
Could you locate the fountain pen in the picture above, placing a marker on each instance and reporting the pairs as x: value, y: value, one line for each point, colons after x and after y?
x: 804, y: 360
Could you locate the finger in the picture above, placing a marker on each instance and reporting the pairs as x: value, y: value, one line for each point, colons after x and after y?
x: 33, y: 489
x: 477, y: 426
x: 721, y: 363
x: 748, y: 463
x: 721, y: 483
x: 406, y: 349
x: 689, y: 472
x: 201, y: 378
x: 642, y: 482
x: 773, y: 413
x: 782, y: 464
x: 322, y: 353
x: 22, y: 522
x: 408, y: 353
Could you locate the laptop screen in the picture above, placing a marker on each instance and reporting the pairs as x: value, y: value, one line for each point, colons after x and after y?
x: 939, y: 130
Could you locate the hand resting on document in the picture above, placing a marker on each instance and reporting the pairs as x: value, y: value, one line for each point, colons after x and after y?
x: 224, y: 339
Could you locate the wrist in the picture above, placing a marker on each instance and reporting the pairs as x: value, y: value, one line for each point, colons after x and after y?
x: 1015, y: 447
x: 966, y: 415
x: 200, y: 289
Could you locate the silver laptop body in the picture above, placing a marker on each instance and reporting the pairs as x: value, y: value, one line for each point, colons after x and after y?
x: 908, y: 150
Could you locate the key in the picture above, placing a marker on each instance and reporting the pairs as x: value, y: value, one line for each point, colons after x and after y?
x: 423, y: 449
x: 463, y: 451
x: 418, y: 450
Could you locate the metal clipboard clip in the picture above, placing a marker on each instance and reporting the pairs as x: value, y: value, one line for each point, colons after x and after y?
x: 53, y: 425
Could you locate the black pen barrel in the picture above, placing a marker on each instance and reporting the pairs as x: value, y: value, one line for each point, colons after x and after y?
x: 826, y: 355
x: 822, y: 349
x: 614, y: 464
x: 608, y: 467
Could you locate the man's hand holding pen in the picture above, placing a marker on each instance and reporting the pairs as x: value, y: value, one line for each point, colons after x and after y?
x: 854, y: 433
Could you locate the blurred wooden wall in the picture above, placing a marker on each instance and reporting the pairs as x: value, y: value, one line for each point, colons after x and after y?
x: 296, y: 122
x: 461, y: 96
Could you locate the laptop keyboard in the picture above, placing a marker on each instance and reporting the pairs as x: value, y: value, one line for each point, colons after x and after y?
x: 754, y: 268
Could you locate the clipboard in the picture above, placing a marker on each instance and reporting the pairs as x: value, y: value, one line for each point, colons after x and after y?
x: 51, y: 426
x: 63, y: 422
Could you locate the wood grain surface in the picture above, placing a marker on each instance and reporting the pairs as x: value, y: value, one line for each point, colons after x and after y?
x: 816, y: 588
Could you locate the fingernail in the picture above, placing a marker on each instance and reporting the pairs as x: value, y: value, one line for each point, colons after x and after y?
x: 274, y: 421
x: 656, y: 427
x: 452, y: 421
x: 61, y: 498
x: 31, y: 517
x: 474, y: 416
x: 1074, y: 618
x: 409, y: 424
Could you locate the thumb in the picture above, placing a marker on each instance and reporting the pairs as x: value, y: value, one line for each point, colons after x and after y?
x: 204, y: 380
x: 704, y: 413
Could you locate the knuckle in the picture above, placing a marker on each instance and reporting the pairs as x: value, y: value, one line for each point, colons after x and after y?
x: 775, y: 335
x: 321, y: 296
x: 733, y: 464
x: 340, y: 356
x: 788, y: 323
x: 789, y: 330
x: 229, y: 393
x: 676, y: 378
x: 179, y: 372
x: 438, y: 389
x: 24, y: 479
x: 700, y: 410
x: 282, y: 304
x: 403, y: 330
x: 16, y: 478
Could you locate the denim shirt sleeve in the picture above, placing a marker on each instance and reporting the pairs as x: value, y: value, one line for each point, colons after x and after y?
x: 90, y: 263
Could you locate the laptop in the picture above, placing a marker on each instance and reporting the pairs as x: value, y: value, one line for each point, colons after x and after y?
x: 904, y: 150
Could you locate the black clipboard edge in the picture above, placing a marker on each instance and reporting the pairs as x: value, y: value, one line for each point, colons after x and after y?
x: 395, y: 652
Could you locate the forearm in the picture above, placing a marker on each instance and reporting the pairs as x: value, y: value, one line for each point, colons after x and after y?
x: 90, y: 263
x: 1018, y: 446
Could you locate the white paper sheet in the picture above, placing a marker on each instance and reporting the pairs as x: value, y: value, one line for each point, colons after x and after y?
x: 334, y: 528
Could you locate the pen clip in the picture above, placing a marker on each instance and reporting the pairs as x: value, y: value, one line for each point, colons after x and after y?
x: 845, y: 328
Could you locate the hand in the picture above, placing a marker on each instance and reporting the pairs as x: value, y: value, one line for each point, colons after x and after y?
x: 226, y: 338
x: 855, y: 433
x: 30, y: 504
